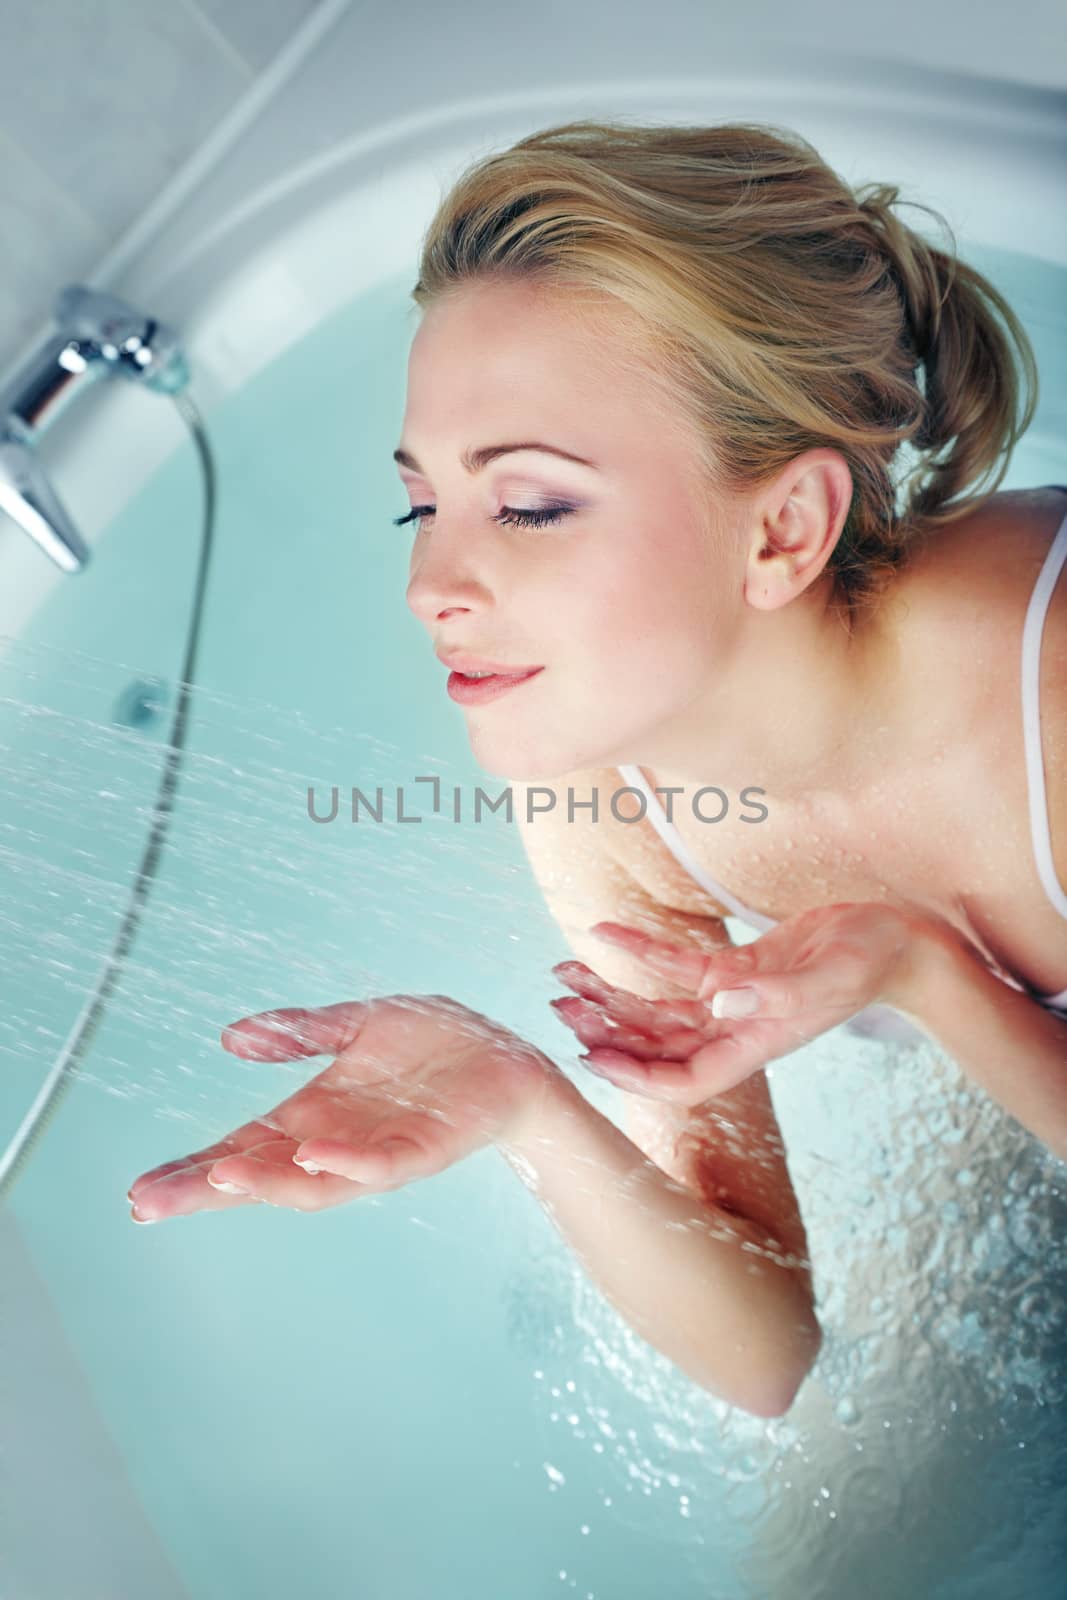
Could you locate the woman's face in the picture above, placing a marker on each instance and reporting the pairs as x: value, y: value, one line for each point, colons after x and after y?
x: 624, y: 602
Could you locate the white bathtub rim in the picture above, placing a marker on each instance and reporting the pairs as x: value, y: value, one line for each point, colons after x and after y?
x: 247, y: 289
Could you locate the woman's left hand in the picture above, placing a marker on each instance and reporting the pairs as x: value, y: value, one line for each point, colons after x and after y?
x: 806, y: 975
x: 418, y: 1083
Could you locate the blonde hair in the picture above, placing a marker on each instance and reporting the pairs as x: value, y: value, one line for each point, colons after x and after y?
x: 783, y: 309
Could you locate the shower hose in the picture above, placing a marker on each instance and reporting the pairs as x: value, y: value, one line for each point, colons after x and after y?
x: 60, y: 1077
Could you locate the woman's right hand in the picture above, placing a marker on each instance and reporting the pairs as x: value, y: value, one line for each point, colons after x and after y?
x: 418, y: 1082
x: 804, y: 976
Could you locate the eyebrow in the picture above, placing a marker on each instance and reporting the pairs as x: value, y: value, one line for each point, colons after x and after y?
x: 475, y: 460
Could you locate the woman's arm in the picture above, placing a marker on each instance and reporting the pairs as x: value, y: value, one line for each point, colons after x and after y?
x: 729, y: 1149
x: 697, y: 1192
x: 1002, y: 1039
x: 700, y: 1284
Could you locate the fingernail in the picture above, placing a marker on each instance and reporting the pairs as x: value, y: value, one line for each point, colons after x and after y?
x: 308, y: 1166
x: 735, y: 1003
x: 143, y: 1220
x: 227, y: 1188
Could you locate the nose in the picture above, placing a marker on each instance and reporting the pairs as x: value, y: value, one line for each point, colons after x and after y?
x: 442, y: 581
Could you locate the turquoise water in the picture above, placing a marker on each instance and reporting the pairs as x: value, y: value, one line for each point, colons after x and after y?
x: 418, y: 1395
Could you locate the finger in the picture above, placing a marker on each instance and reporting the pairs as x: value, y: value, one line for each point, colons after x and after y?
x: 649, y: 1017
x: 733, y: 967
x: 815, y: 995
x: 186, y: 1188
x: 296, y: 1031
x: 280, y: 1181
x: 248, y: 1137
x: 725, y: 1062
x: 628, y: 1008
x: 682, y: 964
x: 194, y: 1193
x: 166, y: 1170
x: 593, y: 1028
x: 718, y: 1065
x: 656, y: 1080
x: 383, y: 1163
x: 181, y: 1193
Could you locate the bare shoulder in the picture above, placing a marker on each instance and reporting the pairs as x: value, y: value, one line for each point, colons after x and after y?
x: 600, y: 815
x: 561, y: 824
x: 961, y: 624
x: 960, y: 606
x: 582, y: 860
x: 989, y: 557
x: 573, y: 816
x: 585, y: 878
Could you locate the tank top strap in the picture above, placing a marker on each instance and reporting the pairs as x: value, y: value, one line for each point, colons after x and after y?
x: 1031, y: 677
x: 636, y: 779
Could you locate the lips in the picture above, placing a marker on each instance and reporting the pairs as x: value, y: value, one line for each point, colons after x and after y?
x: 482, y: 676
x: 461, y: 662
x: 473, y: 691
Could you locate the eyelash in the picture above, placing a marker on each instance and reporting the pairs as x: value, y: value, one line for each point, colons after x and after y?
x: 520, y: 519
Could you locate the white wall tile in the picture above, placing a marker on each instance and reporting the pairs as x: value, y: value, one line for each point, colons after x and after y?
x: 257, y: 29
x: 48, y: 242
x: 110, y: 99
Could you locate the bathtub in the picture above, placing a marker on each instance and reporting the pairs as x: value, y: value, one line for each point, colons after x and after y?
x: 418, y: 1395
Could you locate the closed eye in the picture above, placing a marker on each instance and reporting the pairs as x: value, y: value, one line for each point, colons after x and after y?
x: 509, y: 515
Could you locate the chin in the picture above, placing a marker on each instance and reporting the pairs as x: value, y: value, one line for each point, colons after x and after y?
x: 518, y: 765
x: 518, y: 771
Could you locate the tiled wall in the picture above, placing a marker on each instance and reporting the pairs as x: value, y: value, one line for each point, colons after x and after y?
x: 101, y: 103
x: 104, y: 102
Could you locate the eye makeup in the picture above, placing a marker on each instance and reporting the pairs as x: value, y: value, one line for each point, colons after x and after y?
x: 509, y: 516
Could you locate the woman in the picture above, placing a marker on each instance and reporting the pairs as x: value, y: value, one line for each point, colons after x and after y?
x: 657, y: 408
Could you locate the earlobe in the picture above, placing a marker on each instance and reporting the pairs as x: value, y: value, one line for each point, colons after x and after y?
x: 766, y: 595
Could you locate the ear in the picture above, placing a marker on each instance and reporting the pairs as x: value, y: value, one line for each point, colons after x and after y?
x: 796, y: 525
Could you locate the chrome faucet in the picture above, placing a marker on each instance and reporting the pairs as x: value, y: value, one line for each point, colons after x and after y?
x: 99, y: 336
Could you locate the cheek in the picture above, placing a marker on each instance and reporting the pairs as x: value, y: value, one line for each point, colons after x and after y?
x: 643, y: 602
x: 645, y: 644
x: 665, y: 595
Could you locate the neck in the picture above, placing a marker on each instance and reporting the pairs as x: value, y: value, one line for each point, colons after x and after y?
x: 808, y: 706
